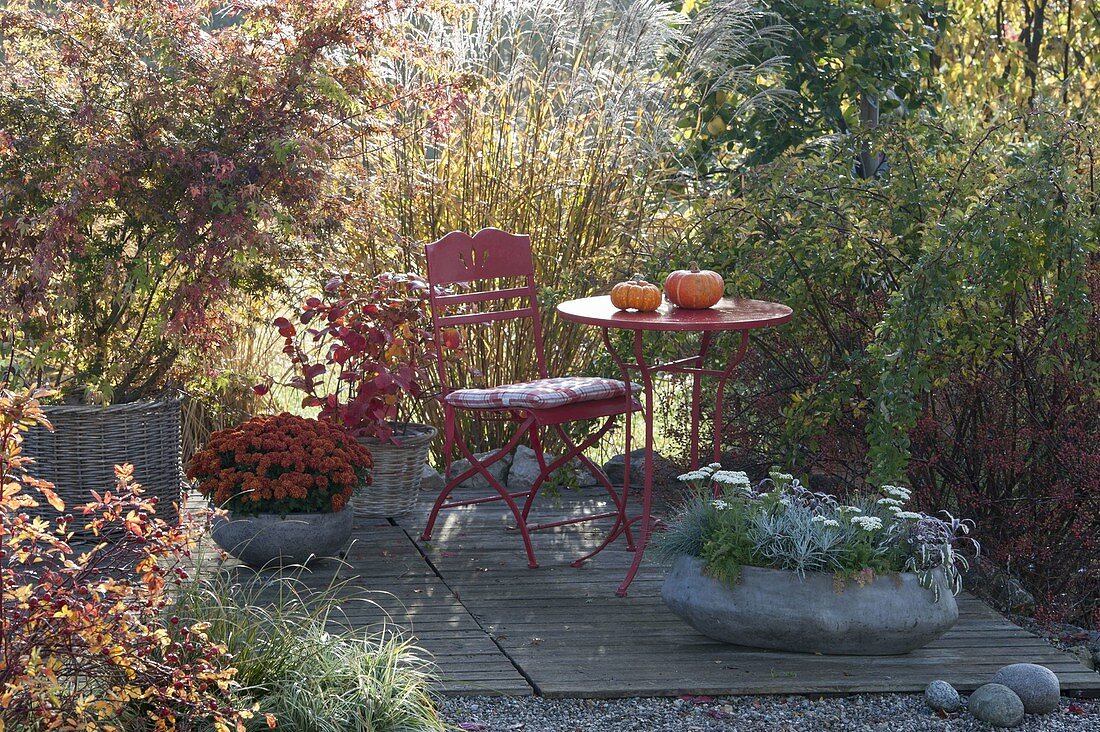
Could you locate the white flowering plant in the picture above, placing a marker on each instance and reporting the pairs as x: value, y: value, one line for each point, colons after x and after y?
x: 779, y: 523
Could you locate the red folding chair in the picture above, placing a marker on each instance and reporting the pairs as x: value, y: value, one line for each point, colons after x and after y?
x: 493, y: 255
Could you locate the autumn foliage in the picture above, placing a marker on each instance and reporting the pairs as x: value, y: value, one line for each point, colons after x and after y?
x: 281, y: 464
x: 157, y: 160
x: 365, y: 347
x: 89, y: 641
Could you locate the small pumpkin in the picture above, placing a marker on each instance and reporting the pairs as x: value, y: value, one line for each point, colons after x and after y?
x: 636, y: 294
x: 694, y: 289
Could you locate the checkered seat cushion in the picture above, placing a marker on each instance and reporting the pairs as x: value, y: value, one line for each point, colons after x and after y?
x: 540, y: 393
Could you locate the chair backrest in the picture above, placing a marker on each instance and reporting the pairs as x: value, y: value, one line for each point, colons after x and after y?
x: 490, y: 254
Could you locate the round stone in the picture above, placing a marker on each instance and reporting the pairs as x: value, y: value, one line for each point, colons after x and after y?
x: 996, y: 704
x: 1037, y: 686
x: 942, y: 697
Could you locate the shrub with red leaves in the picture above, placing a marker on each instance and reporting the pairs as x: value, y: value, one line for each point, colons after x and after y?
x: 365, y: 347
x: 1019, y: 451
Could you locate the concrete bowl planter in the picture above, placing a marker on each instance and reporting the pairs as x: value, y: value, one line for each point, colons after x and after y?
x: 776, y: 609
x: 270, y: 540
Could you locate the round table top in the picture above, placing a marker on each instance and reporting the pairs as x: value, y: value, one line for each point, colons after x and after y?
x: 731, y: 313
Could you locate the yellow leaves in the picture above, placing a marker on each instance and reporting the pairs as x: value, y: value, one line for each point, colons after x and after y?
x: 126, y: 654
x: 134, y: 523
x: 22, y: 593
x: 10, y: 490
x: 52, y: 497
x: 269, y: 718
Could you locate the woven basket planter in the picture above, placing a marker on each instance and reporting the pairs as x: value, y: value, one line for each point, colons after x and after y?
x: 80, y: 455
x: 395, y: 477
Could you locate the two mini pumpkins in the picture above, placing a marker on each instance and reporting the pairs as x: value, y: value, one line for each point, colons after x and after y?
x: 692, y: 289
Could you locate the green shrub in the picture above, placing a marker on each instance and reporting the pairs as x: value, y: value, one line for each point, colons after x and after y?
x: 944, y: 332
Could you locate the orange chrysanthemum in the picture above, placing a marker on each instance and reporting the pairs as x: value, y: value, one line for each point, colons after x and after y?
x: 281, y: 464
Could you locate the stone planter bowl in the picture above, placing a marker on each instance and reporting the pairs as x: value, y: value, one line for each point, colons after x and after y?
x: 776, y: 609
x: 270, y: 540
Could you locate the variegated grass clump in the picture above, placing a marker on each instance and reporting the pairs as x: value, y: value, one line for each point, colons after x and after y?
x: 781, y: 524
x: 302, y: 665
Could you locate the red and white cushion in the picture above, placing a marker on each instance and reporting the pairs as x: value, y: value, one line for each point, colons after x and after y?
x: 540, y: 393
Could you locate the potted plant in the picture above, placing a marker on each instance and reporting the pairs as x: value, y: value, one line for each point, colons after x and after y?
x: 364, y: 349
x: 144, y: 187
x: 779, y: 566
x: 285, y: 483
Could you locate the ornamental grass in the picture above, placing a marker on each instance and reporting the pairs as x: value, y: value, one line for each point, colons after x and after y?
x: 281, y: 464
x: 298, y: 662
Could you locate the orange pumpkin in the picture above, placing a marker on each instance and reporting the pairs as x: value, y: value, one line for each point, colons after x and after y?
x: 637, y: 294
x: 694, y: 289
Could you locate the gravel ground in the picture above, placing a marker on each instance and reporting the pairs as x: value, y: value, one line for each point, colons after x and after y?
x: 862, y: 713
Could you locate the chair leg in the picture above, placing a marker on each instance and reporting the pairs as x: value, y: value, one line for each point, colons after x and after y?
x: 622, y: 524
x: 448, y: 485
x: 477, y: 466
x: 536, y: 445
x: 577, y: 450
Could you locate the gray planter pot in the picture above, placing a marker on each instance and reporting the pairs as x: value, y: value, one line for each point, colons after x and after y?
x: 272, y: 540
x: 773, y: 608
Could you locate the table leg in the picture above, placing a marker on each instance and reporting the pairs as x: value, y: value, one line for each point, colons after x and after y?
x: 696, y: 400
x: 718, y: 398
x: 647, y: 485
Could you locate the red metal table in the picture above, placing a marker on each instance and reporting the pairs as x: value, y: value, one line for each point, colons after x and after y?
x: 730, y: 314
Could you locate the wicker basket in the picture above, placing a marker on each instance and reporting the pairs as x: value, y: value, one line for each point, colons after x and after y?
x: 80, y: 455
x: 395, y: 478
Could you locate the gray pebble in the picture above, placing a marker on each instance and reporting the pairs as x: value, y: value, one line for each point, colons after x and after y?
x: 942, y: 697
x: 855, y: 713
x: 1037, y: 686
x: 996, y: 704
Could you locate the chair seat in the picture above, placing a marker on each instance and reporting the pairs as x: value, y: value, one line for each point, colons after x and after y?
x: 540, y: 393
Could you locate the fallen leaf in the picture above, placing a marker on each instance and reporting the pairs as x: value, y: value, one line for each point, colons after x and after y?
x: 473, y: 726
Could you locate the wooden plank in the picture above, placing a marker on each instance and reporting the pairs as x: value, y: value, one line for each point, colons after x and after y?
x: 572, y: 637
x: 383, y: 582
x: 494, y: 626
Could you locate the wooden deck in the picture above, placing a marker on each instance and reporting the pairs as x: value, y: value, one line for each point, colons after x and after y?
x: 494, y: 626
